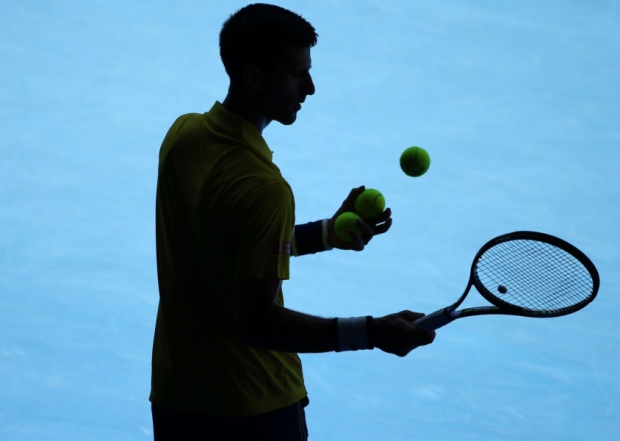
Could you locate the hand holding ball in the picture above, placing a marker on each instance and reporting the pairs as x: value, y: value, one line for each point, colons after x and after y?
x: 415, y: 161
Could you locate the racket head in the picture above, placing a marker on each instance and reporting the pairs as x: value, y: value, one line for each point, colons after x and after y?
x: 534, y: 274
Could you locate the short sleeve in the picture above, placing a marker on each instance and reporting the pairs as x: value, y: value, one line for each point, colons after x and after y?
x: 264, y: 222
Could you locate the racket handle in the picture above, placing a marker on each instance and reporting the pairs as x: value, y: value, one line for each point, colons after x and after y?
x: 434, y: 320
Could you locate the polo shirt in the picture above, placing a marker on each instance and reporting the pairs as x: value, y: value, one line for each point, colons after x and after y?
x: 224, y: 213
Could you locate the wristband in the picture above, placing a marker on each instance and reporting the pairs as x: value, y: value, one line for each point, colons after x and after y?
x: 325, y: 234
x: 310, y: 238
x: 353, y: 333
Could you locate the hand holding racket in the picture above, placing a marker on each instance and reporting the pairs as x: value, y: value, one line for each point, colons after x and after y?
x: 527, y: 274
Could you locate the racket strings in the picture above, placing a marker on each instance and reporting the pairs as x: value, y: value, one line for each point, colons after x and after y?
x: 533, y: 275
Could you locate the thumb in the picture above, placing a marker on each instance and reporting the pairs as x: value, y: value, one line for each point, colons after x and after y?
x: 411, y: 316
x: 349, y: 202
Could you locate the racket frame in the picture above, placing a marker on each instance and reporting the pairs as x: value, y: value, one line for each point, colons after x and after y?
x: 448, y: 314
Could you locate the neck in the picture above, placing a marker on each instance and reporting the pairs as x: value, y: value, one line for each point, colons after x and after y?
x: 244, y: 107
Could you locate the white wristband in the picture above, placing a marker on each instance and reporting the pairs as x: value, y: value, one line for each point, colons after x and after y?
x: 352, y: 333
x: 325, y: 233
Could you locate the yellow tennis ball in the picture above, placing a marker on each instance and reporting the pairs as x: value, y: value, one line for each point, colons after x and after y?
x: 370, y: 203
x: 345, y: 222
x: 415, y: 161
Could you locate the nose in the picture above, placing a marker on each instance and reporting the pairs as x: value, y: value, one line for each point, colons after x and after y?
x: 310, y: 89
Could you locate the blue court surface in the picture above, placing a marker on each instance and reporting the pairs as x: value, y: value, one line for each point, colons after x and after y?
x: 518, y: 104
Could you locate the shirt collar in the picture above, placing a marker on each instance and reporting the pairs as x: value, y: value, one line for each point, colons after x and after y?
x: 240, y: 128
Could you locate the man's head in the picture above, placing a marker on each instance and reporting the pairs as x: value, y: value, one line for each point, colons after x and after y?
x: 266, y: 52
x: 259, y: 35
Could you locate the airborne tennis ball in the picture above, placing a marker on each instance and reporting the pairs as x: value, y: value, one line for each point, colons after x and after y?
x: 415, y: 161
x: 345, y: 222
x: 370, y: 203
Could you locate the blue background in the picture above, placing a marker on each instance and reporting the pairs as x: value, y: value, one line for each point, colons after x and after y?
x: 517, y: 103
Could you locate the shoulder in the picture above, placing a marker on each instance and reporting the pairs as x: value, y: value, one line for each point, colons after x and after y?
x: 259, y: 197
x: 261, y: 190
x: 185, y: 131
x: 186, y: 126
x: 273, y: 188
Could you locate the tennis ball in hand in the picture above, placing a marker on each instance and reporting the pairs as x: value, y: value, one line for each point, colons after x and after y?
x: 370, y: 203
x: 415, y: 161
x: 345, y: 222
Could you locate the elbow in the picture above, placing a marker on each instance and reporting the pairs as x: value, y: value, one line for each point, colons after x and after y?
x: 257, y: 314
x: 261, y: 329
x: 252, y: 331
x: 246, y: 336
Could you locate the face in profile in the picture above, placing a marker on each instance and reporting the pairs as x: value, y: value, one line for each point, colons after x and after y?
x: 286, y: 87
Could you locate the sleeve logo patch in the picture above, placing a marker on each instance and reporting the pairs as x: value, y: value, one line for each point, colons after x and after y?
x: 283, y: 248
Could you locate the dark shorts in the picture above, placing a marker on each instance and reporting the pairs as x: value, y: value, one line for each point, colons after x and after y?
x: 286, y: 424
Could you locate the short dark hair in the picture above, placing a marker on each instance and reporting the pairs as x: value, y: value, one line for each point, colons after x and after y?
x: 259, y: 34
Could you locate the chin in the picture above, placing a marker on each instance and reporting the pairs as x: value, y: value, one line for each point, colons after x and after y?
x: 287, y: 120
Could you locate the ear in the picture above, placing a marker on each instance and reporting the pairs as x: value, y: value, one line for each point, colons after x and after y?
x: 253, y: 78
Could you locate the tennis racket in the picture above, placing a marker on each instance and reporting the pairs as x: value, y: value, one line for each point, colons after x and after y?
x: 527, y: 274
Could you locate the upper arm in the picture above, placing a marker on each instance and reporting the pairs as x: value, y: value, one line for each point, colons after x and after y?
x: 263, y: 221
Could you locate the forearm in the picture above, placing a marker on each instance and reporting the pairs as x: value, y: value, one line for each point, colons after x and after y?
x: 310, y: 238
x: 283, y: 329
x: 290, y: 331
x: 263, y: 323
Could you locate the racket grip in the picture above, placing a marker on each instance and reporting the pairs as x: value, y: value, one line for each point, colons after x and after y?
x: 434, y: 320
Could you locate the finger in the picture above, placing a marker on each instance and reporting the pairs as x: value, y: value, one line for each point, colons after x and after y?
x: 383, y: 217
x: 358, y: 243
x: 431, y: 336
x: 353, y: 194
x: 349, y: 202
x: 425, y: 337
x: 411, y: 316
x: 367, y: 231
x: 381, y: 223
x: 382, y: 228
